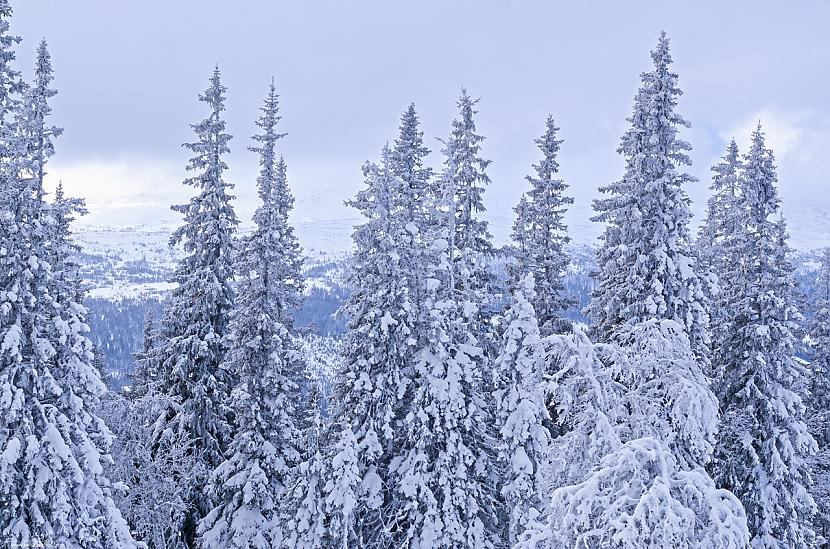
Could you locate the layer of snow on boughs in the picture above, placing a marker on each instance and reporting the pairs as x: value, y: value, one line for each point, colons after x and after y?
x: 638, y: 498
x: 636, y: 425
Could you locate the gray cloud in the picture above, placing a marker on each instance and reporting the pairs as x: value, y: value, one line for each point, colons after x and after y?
x: 129, y: 72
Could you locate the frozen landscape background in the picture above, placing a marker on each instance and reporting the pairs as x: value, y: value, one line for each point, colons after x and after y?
x: 476, y: 275
x: 121, y: 150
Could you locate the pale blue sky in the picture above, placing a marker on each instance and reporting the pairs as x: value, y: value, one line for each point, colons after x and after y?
x: 129, y: 71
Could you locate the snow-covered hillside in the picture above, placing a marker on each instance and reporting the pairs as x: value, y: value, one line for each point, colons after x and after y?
x: 127, y: 272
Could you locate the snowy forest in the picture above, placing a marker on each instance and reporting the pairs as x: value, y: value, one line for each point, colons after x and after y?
x: 686, y: 406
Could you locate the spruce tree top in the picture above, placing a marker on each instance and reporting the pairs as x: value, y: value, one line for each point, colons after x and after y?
x: 10, y: 82
x: 267, y: 141
x: 721, y: 205
x: 760, y: 179
x: 467, y: 170
x: 36, y: 109
x: 646, y: 267
x: 210, y: 211
x: 409, y: 151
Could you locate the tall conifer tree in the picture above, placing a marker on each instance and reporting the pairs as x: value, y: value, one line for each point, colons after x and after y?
x: 38, y: 134
x: 541, y: 235
x: 305, y: 514
x: 371, y: 393
x: 408, y: 157
x: 447, y: 475
x: 386, y: 316
x: 248, y: 486
x: 194, y: 335
x: 720, y: 228
x: 646, y: 268
x: 722, y: 210
x: 764, y: 444
x: 52, y: 444
x: 461, y: 187
x: 818, y: 396
x: 145, y: 372
x: 524, y: 440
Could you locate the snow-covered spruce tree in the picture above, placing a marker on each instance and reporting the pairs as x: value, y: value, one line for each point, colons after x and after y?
x: 290, y: 282
x: 306, y: 517
x: 818, y: 397
x: 639, y: 498
x: 144, y: 375
x: 384, y: 314
x: 194, y: 332
x: 447, y: 474
x: 37, y: 147
x: 149, y: 494
x: 246, y: 488
x: 644, y: 399
x: 646, y: 268
x: 454, y: 362
x: 764, y: 444
x: 412, y: 201
x: 722, y: 213
x: 52, y: 444
x: 521, y: 411
x: 540, y: 236
x: 408, y: 156
x: 342, y: 487
x: 36, y: 109
x: 721, y: 226
x: 62, y: 250
x: 667, y: 396
x: 612, y: 488
x: 371, y: 391
x: 461, y: 186
x: 286, y: 276
x: 446, y: 477
x: 584, y: 400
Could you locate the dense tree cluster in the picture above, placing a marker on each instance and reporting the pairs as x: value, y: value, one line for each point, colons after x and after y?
x: 449, y: 422
x: 53, y: 444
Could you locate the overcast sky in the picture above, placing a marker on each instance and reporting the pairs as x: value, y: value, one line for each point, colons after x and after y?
x: 129, y: 72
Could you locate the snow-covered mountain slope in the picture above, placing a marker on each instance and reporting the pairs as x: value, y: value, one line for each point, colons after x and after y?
x: 129, y: 262
x: 128, y: 270
x: 134, y: 262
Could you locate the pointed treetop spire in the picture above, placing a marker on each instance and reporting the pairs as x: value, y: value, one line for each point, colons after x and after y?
x: 10, y: 82
x: 541, y: 234
x: 465, y: 106
x: 215, y: 94
x: 266, y: 142
x: 723, y: 213
x: 44, y: 61
x: 409, y: 150
x: 662, y: 54
x: 36, y: 135
x: 549, y: 145
x: 758, y: 139
x: 761, y: 178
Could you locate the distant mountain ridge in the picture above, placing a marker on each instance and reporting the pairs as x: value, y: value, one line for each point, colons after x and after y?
x: 128, y: 271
